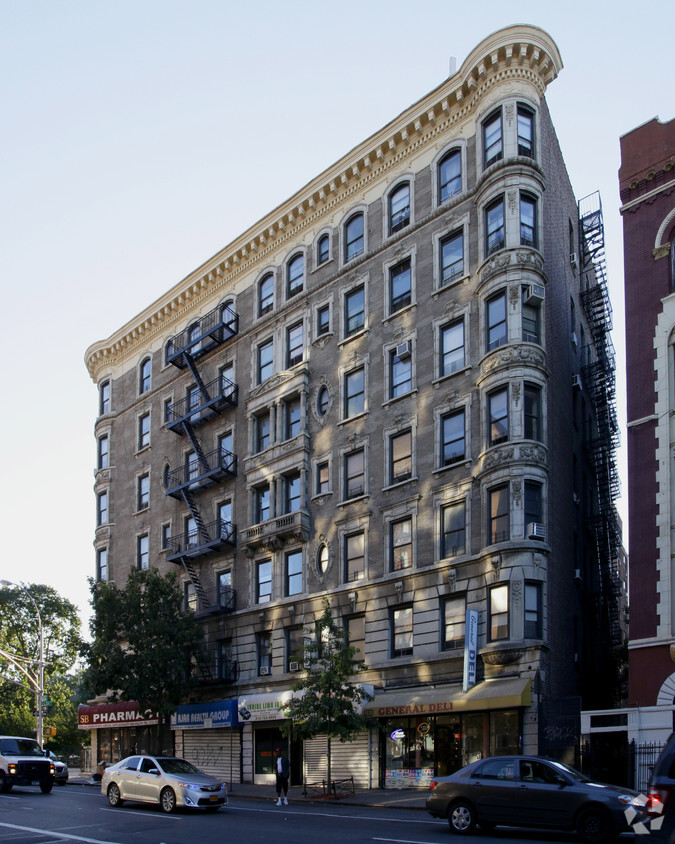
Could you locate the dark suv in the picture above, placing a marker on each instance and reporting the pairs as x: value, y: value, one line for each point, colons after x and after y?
x: 661, y: 794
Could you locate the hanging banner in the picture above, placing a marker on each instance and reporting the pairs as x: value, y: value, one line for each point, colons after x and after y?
x: 470, y: 649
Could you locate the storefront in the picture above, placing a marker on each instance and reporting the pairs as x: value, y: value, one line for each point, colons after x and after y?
x: 263, y: 716
x: 118, y: 730
x: 433, y: 732
x: 209, y: 736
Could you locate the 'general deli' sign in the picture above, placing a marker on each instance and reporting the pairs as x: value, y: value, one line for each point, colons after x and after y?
x: 408, y: 709
x: 113, y: 715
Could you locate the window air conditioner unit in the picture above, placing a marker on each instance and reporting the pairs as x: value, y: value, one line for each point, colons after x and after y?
x: 294, y: 666
x: 534, y: 294
x: 574, y: 262
x: 536, y: 531
x: 576, y: 382
x: 403, y: 350
x: 264, y: 670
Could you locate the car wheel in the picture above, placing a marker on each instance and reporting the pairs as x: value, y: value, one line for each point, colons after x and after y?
x: 167, y: 800
x: 46, y: 787
x: 114, y: 796
x: 462, y: 818
x: 594, y: 826
x: 5, y: 784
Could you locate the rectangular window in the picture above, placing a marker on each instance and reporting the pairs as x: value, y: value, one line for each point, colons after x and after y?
x: 294, y: 345
x: 265, y: 360
x: 191, y: 532
x: 166, y: 535
x: 227, y: 385
x: 104, y: 398
x: 528, y: 220
x: 454, y: 623
x: 143, y: 551
x: 453, y: 438
x: 499, y: 613
x: 102, y: 564
x: 262, y: 503
x: 530, y: 321
x: 355, y: 628
x: 492, y: 139
x: 192, y: 467
x: 533, y: 626
x: 292, y: 493
x: 498, y: 416
x: 401, y: 457
x: 292, y: 418
x: 293, y: 574
x: 532, y: 412
x: 103, y: 454
x: 401, y: 544
x: 453, y: 529
x: 400, y: 286
x: 322, y: 477
x: 451, y: 347
x: 496, y: 321
x: 498, y: 526
x: 225, y: 518
x: 494, y: 227
x: 355, y: 311
x: 400, y: 370
x: 190, y: 597
x: 144, y: 431
x: 143, y: 501
x: 295, y: 648
x: 452, y: 257
x: 226, y: 597
x: 355, y: 557
x: 262, y: 431
x: 401, y: 631
x: 102, y: 509
x: 355, y: 393
x: 264, y: 652
x: 168, y: 410
x: 533, y: 504
x: 323, y: 320
x: 227, y: 459
x: 355, y: 474
x: 526, y: 133
x: 263, y: 583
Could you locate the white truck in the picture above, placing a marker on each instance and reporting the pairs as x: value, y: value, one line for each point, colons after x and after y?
x: 23, y: 762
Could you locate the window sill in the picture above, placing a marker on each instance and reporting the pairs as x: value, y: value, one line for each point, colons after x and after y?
x: 436, y: 382
x: 413, y: 479
x: 360, y: 333
x: 394, y: 314
x: 357, y: 498
x: 399, y: 398
x: 441, y: 288
x: 355, y: 418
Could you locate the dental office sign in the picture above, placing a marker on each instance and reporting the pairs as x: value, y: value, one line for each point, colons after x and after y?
x: 470, y: 649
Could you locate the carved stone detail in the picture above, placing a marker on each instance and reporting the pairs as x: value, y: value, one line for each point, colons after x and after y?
x: 505, y: 657
x: 499, y: 456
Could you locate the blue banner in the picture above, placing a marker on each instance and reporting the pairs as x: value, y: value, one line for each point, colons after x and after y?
x: 205, y: 716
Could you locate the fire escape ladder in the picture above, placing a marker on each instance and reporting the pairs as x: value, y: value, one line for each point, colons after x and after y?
x: 199, y: 381
x: 189, y: 499
x: 192, y: 573
x: 196, y: 445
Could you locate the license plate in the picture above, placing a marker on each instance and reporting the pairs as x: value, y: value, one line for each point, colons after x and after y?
x: 213, y: 798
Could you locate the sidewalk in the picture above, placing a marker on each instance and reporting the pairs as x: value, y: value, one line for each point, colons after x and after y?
x: 379, y: 798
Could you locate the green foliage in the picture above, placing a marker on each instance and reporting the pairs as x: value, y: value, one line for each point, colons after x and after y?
x: 19, y: 637
x: 331, y: 701
x: 142, y: 641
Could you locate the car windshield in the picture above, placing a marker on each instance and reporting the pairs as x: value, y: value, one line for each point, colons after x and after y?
x: 177, y: 766
x: 19, y: 747
x: 571, y: 772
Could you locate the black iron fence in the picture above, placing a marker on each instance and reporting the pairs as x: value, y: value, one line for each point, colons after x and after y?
x: 625, y: 763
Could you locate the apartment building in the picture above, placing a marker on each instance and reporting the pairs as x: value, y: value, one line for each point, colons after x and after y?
x: 396, y: 391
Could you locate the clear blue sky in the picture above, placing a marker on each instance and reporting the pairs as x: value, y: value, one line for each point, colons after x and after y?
x: 139, y: 137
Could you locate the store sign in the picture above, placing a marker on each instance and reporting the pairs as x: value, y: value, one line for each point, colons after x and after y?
x: 265, y: 707
x: 114, y: 715
x: 205, y: 716
x: 470, y: 649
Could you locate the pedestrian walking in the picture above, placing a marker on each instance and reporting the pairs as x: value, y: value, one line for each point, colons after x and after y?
x: 282, y: 769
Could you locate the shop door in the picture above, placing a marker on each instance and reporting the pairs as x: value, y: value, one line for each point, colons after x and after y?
x: 448, y: 745
x: 266, y: 741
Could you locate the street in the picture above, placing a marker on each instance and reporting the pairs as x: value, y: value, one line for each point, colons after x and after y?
x: 80, y: 814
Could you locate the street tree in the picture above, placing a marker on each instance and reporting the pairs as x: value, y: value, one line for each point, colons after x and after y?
x: 331, y: 701
x: 143, y: 643
x: 20, y: 648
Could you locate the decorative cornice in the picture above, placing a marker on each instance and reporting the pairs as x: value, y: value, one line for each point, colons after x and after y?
x: 521, y: 52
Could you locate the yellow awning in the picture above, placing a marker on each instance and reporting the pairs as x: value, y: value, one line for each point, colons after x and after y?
x: 490, y: 694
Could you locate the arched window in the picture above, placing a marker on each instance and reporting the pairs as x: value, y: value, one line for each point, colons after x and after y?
x: 354, y: 236
x: 295, y: 275
x: 399, y: 208
x: 322, y: 249
x: 449, y: 175
x: 265, y: 294
x: 144, y: 376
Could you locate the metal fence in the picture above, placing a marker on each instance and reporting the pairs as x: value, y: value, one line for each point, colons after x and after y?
x: 626, y: 764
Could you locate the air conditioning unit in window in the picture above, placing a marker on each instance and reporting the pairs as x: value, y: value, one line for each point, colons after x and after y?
x: 576, y: 382
x: 534, y: 294
x: 404, y: 350
x: 574, y: 262
x: 264, y: 670
x: 535, y: 530
x: 294, y: 666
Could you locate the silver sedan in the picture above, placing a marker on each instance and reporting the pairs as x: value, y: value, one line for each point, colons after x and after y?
x: 166, y: 780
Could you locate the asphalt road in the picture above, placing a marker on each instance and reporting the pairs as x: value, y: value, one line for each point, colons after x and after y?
x: 81, y: 814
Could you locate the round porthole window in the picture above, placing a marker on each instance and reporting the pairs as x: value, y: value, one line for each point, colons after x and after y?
x: 322, y: 401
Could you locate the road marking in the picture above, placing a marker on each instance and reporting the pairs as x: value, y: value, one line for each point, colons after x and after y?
x: 297, y: 811
x: 62, y: 835
x: 402, y: 841
x: 153, y: 816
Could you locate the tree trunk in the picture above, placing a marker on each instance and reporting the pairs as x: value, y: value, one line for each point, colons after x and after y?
x: 330, y: 783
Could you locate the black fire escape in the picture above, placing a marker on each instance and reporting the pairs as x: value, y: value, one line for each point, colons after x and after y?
x: 602, y: 441
x: 203, y: 401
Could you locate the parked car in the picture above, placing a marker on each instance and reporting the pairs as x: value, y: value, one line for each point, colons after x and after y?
x: 166, y: 780
x: 661, y: 794
x: 534, y: 792
x: 60, y: 768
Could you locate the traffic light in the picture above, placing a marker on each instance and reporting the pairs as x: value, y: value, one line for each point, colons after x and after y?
x: 48, y: 732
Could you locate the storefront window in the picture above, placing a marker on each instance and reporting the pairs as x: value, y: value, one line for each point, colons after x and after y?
x: 409, y: 752
x: 504, y: 732
x: 472, y: 748
x: 266, y: 740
